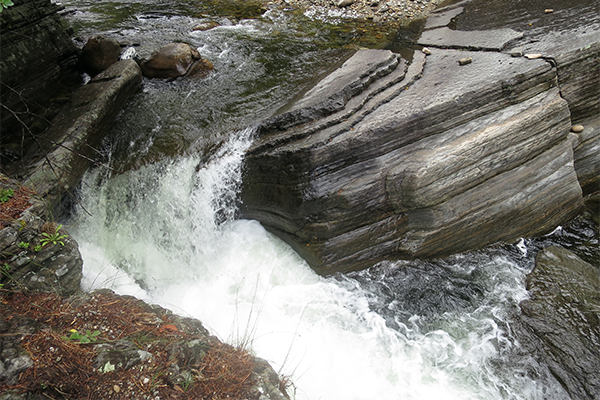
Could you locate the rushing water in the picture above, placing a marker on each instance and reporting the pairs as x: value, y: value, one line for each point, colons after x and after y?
x: 165, y: 230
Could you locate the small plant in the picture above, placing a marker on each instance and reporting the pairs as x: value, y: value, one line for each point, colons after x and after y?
x: 82, y: 338
x: 53, y: 238
x: 4, y: 271
x: 37, y: 248
x: 6, y: 194
x: 24, y: 245
x: 5, y: 4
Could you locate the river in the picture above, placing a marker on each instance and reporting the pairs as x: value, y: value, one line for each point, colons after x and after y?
x: 164, y: 229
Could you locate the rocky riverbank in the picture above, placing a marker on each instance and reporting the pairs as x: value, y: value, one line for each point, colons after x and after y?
x: 60, y: 343
x: 391, y: 12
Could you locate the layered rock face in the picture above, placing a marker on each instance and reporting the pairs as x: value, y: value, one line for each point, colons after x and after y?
x: 55, y: 167
x: 38, y: 56
x: 386, y: 159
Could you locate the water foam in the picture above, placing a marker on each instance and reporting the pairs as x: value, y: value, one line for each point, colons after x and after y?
x: 167, y: 233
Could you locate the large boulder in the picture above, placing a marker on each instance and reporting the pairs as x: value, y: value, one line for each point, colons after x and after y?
x: 100, y: 53
x: 560, y: 322
x: 387, y: 160
x: 173, y: 60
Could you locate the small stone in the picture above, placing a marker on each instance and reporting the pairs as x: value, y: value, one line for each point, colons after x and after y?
x: 205, y: 26
x: 548, y: 10
x: 426, y: 51
x: 465, y: 61
x: 577, y: 128
x: 116, y: 388
x: 516, y: 53
x: 344, y: 3
x: 533, y: 56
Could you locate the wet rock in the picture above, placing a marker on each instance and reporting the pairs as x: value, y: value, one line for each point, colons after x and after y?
x: 268, y: 385
x: 100, y: 53
x: 442, y: 17
x: 384, y: 173
x: 77, y: 131
x: 205, y: 26
x: 562, y: 320
x: 200, y: 69
x: 170, y: 61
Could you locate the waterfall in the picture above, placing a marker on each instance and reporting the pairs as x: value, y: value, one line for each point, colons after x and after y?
x: 167, y: 233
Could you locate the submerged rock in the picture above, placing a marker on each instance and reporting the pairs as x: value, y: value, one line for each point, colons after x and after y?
x: 173, y: 60
x: 561, y: 320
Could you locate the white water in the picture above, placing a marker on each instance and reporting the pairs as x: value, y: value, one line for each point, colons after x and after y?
x: 167, y: 234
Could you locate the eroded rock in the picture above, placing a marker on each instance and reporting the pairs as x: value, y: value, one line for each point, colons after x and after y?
x: 77, y: 131
x: 431, y: 158
x: 562, y: 320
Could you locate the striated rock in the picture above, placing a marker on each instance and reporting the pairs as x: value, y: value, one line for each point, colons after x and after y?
x: 100, y: 53
x: 38, y: 61
x: 561, y: 320
x: 446, y: 38
x: 36, y: 264
x: 56, y: 168
x: 457, y: 161
x: 170, y: 61
x: 442, y: 17
x: 423, y: 160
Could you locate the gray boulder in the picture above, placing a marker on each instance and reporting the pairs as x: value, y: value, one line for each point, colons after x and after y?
x: 384, y: 160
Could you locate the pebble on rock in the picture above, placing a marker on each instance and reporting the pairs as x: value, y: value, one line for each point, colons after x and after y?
x: 344, y: 3
x: 116, y: 388
x: 548, y: 10
x: 533, y: 56
x: 426, y: 51
x: 577, y: 128
x: 465, y: 61
x: 516, y: 53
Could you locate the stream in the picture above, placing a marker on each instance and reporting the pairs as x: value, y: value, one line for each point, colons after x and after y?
x: 164, y: 229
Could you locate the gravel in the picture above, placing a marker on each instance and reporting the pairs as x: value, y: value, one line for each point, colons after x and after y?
x: 379, y: 11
